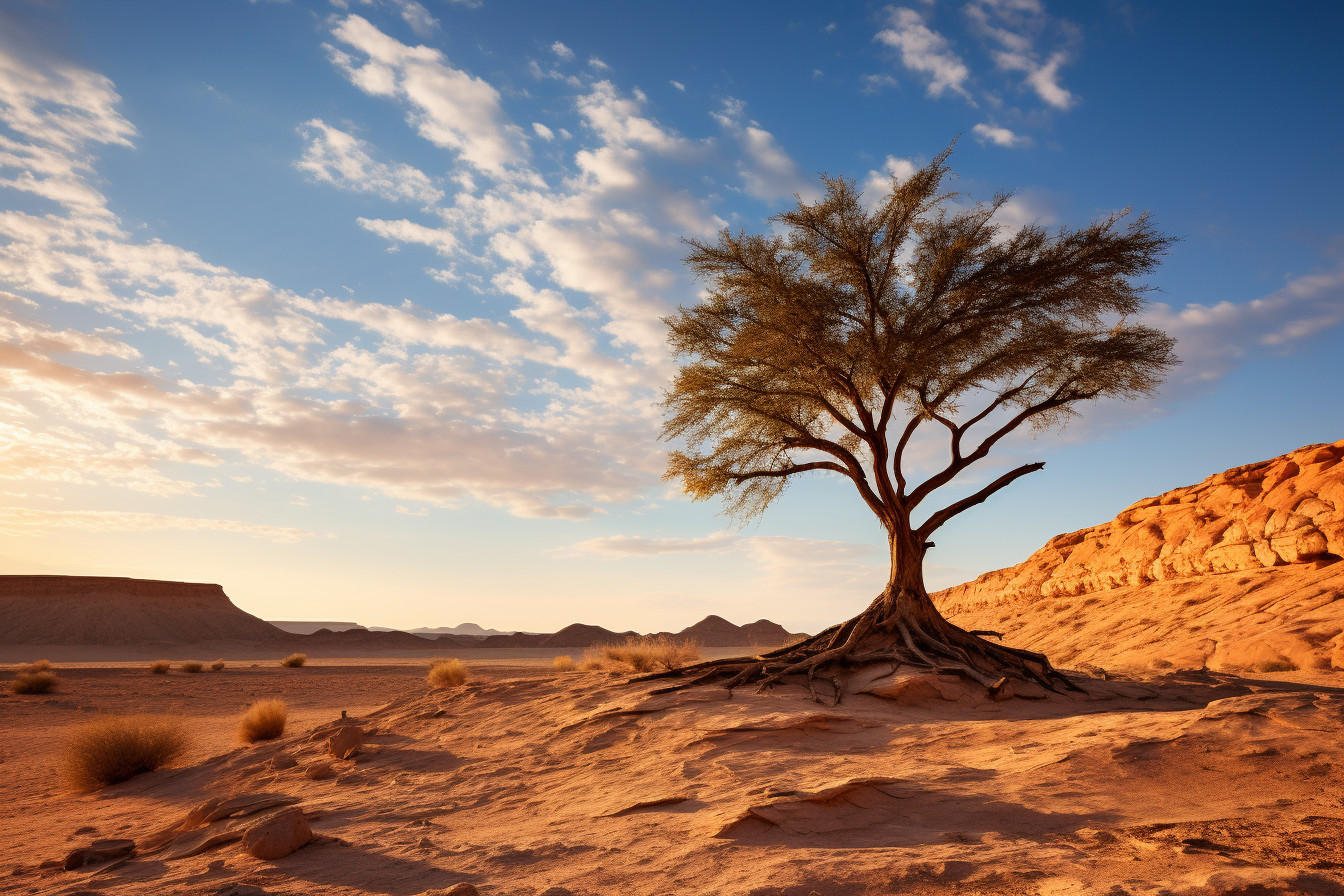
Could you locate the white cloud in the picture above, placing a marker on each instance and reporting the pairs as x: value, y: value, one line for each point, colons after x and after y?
x: 925, y: 52
x: 1012, y: 29
x: 542, y: 131
x: 18, y: 522
x: 999, y: 136
x: 419, y: 18
x: 642, y: 546
x: 561, y: 51
x: 678, y: 85
x: 343, y: 160
x: 878, y: 182
x: 767, y: 171
x: 448, y: 107
x: 1213, y: 340
x: 877, y: 83
x: 404, y: 231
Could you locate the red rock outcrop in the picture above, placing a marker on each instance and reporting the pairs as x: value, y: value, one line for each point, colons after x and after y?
x: 1226, y: 547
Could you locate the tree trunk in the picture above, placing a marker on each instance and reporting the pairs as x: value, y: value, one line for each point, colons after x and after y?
x: 901, y: 627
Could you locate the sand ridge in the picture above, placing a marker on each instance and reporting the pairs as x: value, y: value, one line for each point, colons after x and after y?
x: 525, y: 781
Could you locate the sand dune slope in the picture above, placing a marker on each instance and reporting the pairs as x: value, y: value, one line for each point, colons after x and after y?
x: 1241, y: 571
x: 1193, y: 785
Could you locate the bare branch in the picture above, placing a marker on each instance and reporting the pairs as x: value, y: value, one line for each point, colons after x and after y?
x: 933, y: 523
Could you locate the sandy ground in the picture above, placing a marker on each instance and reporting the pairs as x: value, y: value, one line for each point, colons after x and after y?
x: 527, y: 782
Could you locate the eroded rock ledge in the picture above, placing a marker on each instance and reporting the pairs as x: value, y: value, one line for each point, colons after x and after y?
x: 1289, y: 510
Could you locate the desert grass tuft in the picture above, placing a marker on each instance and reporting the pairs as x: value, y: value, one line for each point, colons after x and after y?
x: 160, y: 667
x: 42, y: 681
x: 563, y: 663
x: 447, y: 674
x: 1275, y: 666
x: 192, y: 666
x: 642, y: 654
x: 38, y: 666
x: 294, y: 660
x: 217, y: 665
x: 264, y: 720
x: 115, y: 748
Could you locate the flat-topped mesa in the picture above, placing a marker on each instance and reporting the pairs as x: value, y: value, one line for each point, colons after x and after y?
x: 106, y: 610
x: 1289, y: 510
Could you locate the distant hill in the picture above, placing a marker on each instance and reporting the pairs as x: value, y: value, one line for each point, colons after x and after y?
x: 307, y: 628
x: 104, y: 610
x: 715, y: 631
x: 466, y: 629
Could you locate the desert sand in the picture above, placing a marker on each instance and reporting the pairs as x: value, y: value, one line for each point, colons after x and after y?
x: 527, y: 781
x: 1205, y: 757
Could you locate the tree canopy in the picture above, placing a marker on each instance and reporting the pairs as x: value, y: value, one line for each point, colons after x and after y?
x: 826, y: 346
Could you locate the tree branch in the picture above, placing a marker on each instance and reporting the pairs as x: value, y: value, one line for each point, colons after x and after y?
x: 932, y: 524
x: 789, y: 471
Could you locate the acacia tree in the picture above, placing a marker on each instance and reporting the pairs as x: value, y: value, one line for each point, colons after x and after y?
x: 824, y: 348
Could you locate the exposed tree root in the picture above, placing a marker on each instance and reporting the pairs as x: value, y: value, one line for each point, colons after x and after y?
x: 832, y: 656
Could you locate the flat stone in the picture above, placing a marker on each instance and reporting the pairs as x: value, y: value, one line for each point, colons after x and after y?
x: 98, y: 851
x: 277, y: 836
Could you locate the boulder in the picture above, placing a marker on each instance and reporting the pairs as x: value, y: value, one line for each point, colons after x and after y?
x: 346, y: 742
x: 277, y: 836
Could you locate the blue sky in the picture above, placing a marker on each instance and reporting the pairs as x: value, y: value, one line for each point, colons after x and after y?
x: 354, y: 307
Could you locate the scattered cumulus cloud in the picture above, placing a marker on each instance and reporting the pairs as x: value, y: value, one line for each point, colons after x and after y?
x: 877, y: 83
x: 561, y: 51
x: 988, y: 133
x: 925, y: 52
x: 335, y: 157
x: 767, y: 170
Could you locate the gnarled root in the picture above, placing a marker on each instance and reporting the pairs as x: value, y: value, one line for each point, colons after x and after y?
x: 836, y: 653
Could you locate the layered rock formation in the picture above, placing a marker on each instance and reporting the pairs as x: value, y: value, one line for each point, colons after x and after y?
x: 103, y: 610
x: 1247, y: 533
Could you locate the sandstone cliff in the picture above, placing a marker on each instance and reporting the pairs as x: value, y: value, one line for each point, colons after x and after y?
x: 1237, y: 571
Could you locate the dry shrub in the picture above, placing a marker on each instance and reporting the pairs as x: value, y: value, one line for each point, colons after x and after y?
x: 294, y: 660
x: 264, y: 720
x: 563, y: 663
x: 217, y: 665
x: 1275, y: 666
x: 642, y: 654
x: 160, y: 667
x: 39, y: 666
x: 192, y: 666
x: 447, y: 674
x: 40, y: 682
x: 115, y: 748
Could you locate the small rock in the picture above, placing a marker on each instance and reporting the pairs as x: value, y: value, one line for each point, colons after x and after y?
x: 281, y: 762
x: 239, y: 890
x: 277, y: 836
x: 462, y: 889
x: 98, y: 851
x: 346, y: 741
x: 320, y: 771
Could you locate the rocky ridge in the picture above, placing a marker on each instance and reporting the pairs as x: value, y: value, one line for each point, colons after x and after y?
x: 1251, y: 552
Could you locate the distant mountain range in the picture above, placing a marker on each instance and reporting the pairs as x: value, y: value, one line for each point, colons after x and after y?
x: 134, y: 616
